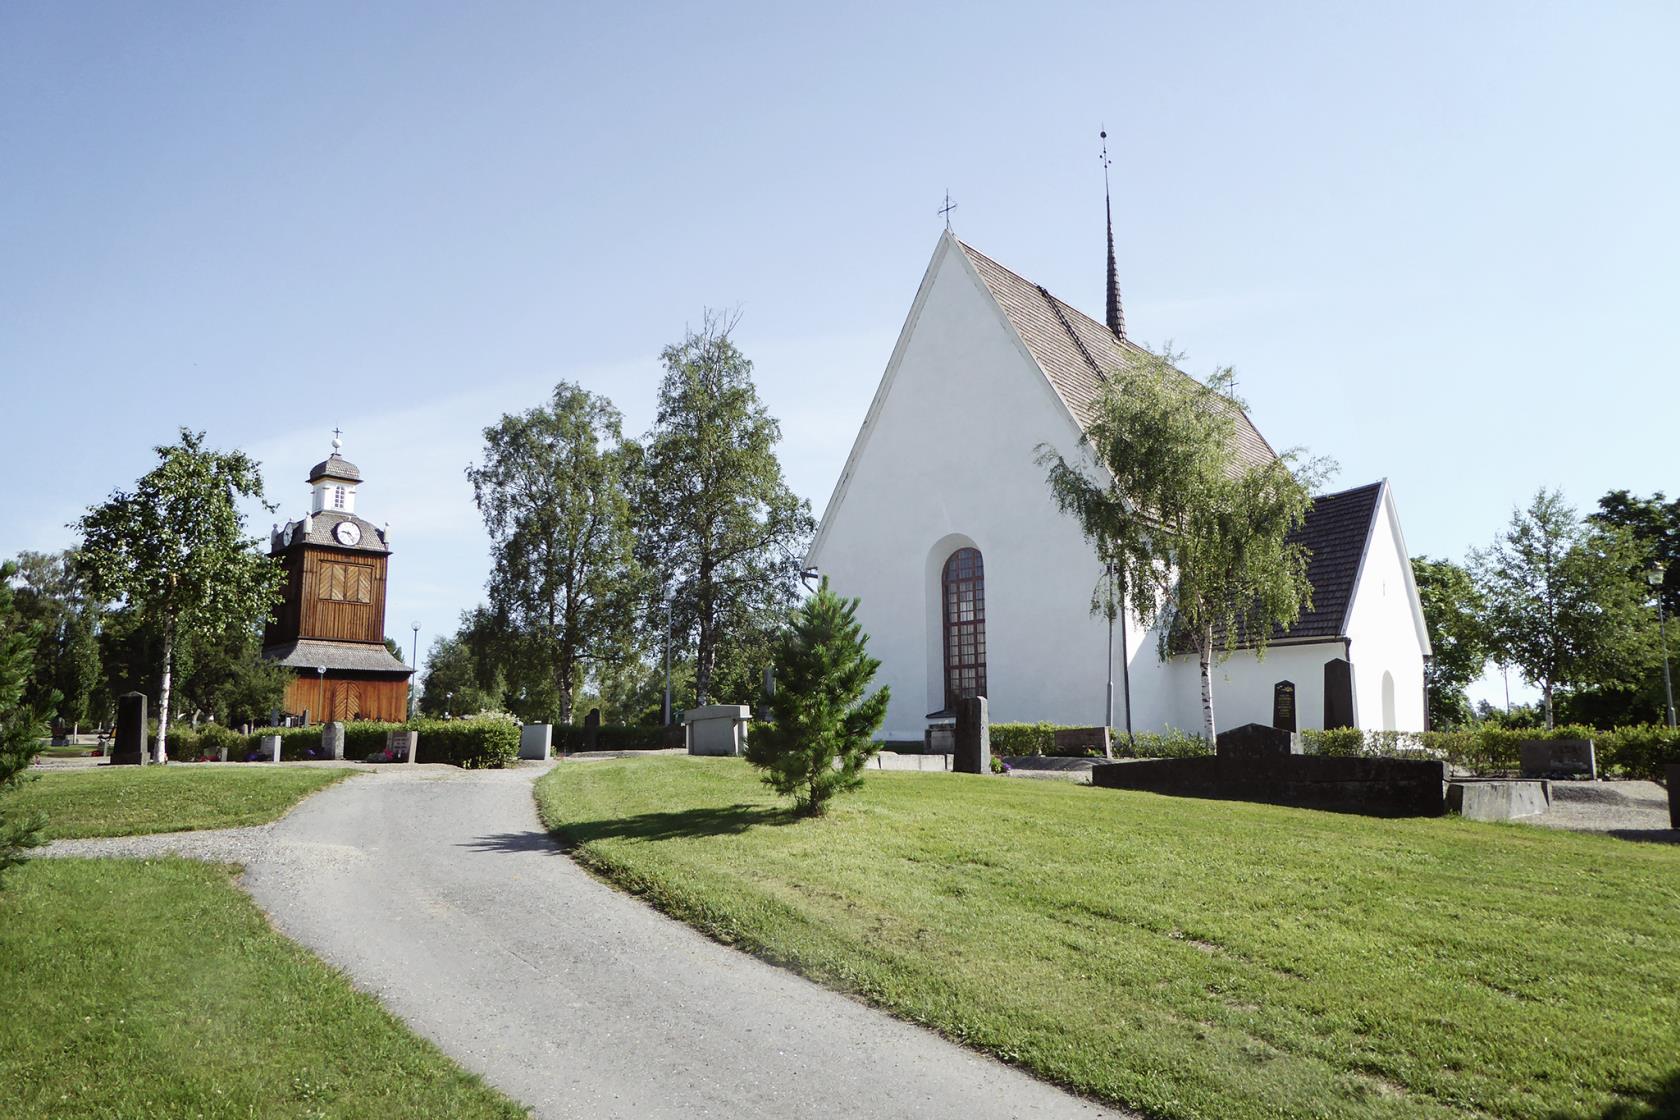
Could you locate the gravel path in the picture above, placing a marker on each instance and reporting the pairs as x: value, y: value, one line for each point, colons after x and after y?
x: 1629, y: 810
x: 438, y: 891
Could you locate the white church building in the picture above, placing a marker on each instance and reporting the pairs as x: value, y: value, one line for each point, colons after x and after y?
x: 972, y: 582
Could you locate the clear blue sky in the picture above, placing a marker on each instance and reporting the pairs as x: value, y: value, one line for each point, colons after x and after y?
x: 1439, y: 242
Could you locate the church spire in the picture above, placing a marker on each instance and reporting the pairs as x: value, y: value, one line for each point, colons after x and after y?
x: 1116, y: 317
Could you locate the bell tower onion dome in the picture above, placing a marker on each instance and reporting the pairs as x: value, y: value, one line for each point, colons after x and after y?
x: 334, y: 481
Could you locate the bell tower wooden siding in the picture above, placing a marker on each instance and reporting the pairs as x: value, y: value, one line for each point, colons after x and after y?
x: 331, y: 595
x: 348, y: 698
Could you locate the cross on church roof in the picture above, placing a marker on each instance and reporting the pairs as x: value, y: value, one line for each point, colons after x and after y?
x: 946, y: 210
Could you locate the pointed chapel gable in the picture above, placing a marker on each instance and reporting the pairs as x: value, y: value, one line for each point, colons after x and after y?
x: 1075, y: 351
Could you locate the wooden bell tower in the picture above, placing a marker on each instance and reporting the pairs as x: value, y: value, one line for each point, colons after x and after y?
x: 330, y: 626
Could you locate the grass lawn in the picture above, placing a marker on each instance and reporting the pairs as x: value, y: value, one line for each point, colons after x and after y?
x: 1185, y: 958
x: 130, y: 800
x: 157, y: 990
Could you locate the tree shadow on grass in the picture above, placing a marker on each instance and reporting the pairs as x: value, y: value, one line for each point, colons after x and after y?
x: 727, y: 821
x: 1660, y: 1101
x: 1648, y: 836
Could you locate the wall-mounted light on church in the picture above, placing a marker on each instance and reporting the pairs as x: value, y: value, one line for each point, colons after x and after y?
x: 1655, y: 577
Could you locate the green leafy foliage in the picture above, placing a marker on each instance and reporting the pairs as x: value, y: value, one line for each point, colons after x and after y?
x: 174, y: 550
x: 1561, y: 604
x: 563, y: 582
x: 821, y: 722
x: 1024, y: 739
x: 53, y: 596
x: 1197, y: 538
x: 1622, y: 752
x: 1452, y: 610
x: 716, y: 524
x: 22, y: 724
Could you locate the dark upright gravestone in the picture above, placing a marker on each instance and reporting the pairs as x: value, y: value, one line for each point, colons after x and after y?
x: 130, y: 749
x: 973, y: 753
x: 1283, y: 706
x: 591, y: 729
x: 1338, y: 693
x: 1254, y: 741
x: 1673, y: 776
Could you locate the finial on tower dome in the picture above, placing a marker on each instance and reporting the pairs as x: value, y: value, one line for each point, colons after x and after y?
x: 1116, y: 317
x: 338, y: 440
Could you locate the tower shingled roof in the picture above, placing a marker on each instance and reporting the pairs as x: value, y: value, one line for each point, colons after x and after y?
x: 335, y: 466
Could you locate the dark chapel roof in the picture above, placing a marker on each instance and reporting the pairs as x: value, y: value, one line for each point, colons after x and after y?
x: 1335, y: 533
x: 335, y: 466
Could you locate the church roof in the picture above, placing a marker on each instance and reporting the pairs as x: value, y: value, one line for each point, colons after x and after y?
x: 321, y: 532
x: 343, y: 657
x: 335, y: 466
x: 1075, y: 351
x: 1336, y: 533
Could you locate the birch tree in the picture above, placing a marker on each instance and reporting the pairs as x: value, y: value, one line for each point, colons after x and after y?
x: 1197, y: 539
x: 174, y: 551
x: 551, y: 490
x: 716, y: 523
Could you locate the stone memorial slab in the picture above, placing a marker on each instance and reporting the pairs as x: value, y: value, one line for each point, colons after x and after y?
x: 536, y: 740
x: 1338, y: 693
x: 940, y: 738
x: 718, y: 729
x: 130, y: 746
x: 1254, y: 741
x: 1672, y: 773
x: 1283, y: 706
x: 1558, y: 758
x: 592, y: 729
x: 269, y: 748
x: 1075, y: 741
x: 332, y: 739
x: 404, y: 745
x: 973, y: 754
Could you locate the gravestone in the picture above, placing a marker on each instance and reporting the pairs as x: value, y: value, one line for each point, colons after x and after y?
x: 592, y: 729
x: 1338, y: 693
x: 1672, y: 773
x: 221, y: 755
x: 269, y: 749
x: 130, y: 748
x: 403, y: 744
x: 535, y: 741
x: 1558, y: 758
x: 332, y: 739
x: 939, y: 738
x: 1254, y: 741
x: 973, y: 753
x: 717, y: 729
x: 1283, y: 706
x: 769, y: 691
x: 1076, y: 741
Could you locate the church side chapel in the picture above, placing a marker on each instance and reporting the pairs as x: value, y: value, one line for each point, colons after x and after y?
x: 330, y: 626
x: 972, y: 583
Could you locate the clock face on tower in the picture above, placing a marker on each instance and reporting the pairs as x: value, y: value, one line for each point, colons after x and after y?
x: 347, y: 532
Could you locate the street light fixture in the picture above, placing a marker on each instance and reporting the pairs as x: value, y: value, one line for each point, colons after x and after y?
x: 1656, y: 577
x: 413, y: 663
x: 321, y: 692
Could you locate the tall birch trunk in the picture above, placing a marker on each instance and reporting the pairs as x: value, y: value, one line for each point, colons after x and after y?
x: 163, y: 699
x: 1205, y: 650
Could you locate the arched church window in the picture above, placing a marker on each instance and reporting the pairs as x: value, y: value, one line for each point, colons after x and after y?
x: 964, y: 588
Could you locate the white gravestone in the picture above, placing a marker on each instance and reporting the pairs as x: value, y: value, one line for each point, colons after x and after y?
x: 270, y: 748
x: 718, y: 729
x: 536, y: 740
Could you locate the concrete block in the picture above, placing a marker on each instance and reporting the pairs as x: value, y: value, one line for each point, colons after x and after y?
x: 717, y: 729
x: 536, y: 740
x: 1499, y: 800
x: 269, y: 748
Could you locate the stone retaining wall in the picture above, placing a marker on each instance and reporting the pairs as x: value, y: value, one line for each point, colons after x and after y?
x: 1376, y: 786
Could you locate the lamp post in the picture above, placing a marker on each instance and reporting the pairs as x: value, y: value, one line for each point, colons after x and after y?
x: 1655, y: 578
x: 414, y: 663
x: 321, y: 693
x: 667, y: 662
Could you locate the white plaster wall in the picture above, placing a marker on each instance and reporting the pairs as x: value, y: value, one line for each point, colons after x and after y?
x: 1242, y: 686
x: 1384, y: 629
x: 947, y: 460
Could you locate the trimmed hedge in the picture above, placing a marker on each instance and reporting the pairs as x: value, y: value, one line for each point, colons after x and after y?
x: 568, y: 737
x: 1623, y: 752
x: 1017, y: 739
x: 472, y: 744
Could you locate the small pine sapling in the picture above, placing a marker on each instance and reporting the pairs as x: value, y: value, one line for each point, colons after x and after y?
x: 21, y: 724
x: 821, y: 725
